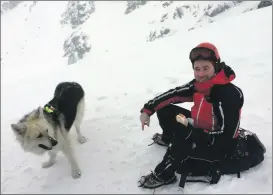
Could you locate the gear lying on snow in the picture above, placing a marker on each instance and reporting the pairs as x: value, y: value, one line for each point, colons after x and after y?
x: 249, y: 153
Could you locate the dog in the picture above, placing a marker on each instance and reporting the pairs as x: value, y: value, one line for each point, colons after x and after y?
x: 46, y: 129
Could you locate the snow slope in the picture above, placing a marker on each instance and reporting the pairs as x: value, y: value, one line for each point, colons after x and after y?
x: 117, y: 84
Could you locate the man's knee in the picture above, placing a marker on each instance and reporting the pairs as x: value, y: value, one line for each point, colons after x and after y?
x: 171, y: 111
x: 166, y: 111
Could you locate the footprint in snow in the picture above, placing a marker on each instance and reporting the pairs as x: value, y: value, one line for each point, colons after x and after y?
x: 128, y: 117
x: 118, y: 140
x: 101, y: 98
x: 130, y: 155
x: 98, y: 109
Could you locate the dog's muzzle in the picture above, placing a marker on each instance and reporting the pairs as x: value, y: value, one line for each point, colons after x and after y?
x: 53, y: 143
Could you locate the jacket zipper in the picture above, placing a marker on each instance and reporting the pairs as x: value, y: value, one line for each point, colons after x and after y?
x: 198, y: 112
x: 212, y: 116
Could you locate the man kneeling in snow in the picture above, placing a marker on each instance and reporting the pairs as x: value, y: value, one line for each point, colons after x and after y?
x: 208, y: 141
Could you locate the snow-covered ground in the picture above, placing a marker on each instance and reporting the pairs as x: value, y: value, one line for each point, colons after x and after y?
x: 117, y: 84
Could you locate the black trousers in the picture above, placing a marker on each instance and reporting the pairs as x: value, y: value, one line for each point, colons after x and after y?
x: 188, y: 144
x: 167, y: 121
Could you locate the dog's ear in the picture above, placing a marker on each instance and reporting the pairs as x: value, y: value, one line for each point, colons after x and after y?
x: 19, y: 128
x: 39, y: 112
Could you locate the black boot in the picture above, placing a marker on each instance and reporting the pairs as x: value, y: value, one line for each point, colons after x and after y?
x: 163, y: 174
x: 153, y: 180
x: 157, y: 138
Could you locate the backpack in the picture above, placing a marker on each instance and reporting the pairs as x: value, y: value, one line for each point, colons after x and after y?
x: 249, y: 152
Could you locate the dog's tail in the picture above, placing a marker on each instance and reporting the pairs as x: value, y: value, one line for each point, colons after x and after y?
x: 80, y: 111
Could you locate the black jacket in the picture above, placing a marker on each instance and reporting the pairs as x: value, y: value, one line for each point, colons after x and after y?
x: 226, y: 98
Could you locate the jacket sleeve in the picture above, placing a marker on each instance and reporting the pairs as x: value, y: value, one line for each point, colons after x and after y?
x: 228, y: 101
x: 180, y: 94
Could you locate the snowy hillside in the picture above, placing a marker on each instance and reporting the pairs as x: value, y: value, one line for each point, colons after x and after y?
x: 120, y: 71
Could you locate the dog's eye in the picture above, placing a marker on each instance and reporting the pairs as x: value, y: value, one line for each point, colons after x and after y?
x: 40, y: 135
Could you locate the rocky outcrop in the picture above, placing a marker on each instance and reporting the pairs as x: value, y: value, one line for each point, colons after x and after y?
x: 214, y: 11
x: 264, y: 4
x: 32, y: 5
x: 76, y: 46
x: 201, y: 15
x: 157, y: 35
x: 166, y: 3
x: 9, y: 5
x: 133, y: 5
x: 178, y: 13
x: 77, y: 12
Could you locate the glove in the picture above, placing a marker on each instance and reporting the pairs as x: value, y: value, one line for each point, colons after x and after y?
x: 144, y: 119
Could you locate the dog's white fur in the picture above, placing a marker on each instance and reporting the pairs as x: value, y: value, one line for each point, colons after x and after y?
x: 28, y: 129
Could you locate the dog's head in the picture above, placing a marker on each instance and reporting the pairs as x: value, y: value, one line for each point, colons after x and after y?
x: 34, y: 133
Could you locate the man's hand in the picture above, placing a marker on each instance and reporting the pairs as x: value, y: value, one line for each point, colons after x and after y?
x: 144, y: 119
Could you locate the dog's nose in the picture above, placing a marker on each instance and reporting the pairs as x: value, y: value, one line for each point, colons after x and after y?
x: 53, y: 141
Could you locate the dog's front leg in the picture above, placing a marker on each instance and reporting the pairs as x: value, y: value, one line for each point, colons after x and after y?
x: 51, y: 161
x: 69, y: 153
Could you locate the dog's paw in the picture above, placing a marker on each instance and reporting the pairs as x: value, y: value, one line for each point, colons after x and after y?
x: 76, y: 173
x: 48, y: 164
x: 81, y: 139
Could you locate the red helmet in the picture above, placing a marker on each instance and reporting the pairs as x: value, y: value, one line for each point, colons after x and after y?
x: 206, y: 51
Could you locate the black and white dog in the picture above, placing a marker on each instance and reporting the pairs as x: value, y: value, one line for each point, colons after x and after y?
x: 46, y: 129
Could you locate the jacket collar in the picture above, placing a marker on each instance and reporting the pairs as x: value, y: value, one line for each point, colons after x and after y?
x: 226, y: 75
